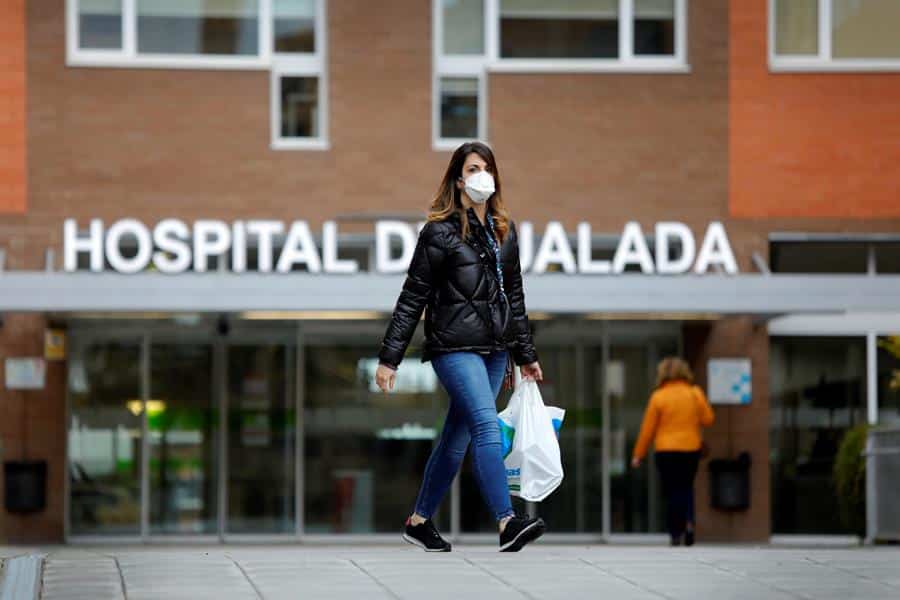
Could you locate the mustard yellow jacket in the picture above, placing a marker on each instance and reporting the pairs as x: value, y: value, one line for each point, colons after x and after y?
x: 676, y: 412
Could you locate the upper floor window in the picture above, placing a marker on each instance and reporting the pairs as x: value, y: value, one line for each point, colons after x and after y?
x: 588, y: 35
x: 475, y: 37
x: 286, y: 37
x: 193, y: 33
x: 838, y: 35
x: 824, y: 253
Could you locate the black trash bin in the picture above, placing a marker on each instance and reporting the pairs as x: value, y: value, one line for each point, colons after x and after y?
x: 729, y: 482
x: 25, y: 483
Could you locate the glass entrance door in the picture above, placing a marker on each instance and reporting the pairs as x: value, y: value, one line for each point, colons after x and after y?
x: 262, y: 440
x: 183, y: 425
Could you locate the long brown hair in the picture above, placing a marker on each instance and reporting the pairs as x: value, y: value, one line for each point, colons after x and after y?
x: 448, y: 199
x: 673, y: 368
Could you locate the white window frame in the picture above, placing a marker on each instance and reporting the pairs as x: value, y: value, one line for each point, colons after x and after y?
x: 626, y: 62
x: 128, y: 56
x: 279, y: 142
x: 279, y: 64
x: 469, y: 66
x: 822, y: 60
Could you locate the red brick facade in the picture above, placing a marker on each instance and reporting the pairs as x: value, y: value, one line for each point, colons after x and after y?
x: 726, y: 141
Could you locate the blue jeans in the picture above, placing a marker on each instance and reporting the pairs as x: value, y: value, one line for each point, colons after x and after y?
x: 473, y: 382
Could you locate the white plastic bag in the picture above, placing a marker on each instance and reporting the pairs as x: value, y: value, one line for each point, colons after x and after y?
x: 530, y: 435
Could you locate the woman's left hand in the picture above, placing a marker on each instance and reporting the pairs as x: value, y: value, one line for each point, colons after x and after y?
x: 533, y: 371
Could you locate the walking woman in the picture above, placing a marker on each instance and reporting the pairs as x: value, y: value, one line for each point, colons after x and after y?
x: 465, y: 274
x: 676, y: 412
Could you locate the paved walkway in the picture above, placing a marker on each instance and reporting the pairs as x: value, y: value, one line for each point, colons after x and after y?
x: 469, y: 572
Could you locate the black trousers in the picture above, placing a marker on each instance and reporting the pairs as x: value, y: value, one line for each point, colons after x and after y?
x: 677, y: 471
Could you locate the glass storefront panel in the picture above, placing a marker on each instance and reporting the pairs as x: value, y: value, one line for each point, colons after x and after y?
x: 637, y: 503
x: 365, y: 450
x: 889, y: 380
x: 104, y: 445
x: 183, y: 419
x: 564, y: 510
x: 261, y: 439
x: 818, y: 392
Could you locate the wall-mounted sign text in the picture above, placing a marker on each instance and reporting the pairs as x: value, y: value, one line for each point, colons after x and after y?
x: 172, y: 246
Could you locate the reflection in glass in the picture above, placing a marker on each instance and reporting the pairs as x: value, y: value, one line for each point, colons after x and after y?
x: 463, y: 26
x: 797, y: 27
x: 299, y: 107
x: 818, y: 257
x: 889, y: 380
x: 105, y: 437
x: 261, y: 439
x: 183, y: 427
x: 559, y: 28
x: 459, y: 108
x: 561, y: 509
x: 818, y: 392
x: 365, y: 451
x: 225, y: 27
x: 100, y: 24
x: 636, y: 494
x: 654, y: 27
x: 865, y: 29
x: 294, y: 25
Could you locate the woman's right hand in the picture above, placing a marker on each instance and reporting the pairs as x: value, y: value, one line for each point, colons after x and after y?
x: 384, y: 377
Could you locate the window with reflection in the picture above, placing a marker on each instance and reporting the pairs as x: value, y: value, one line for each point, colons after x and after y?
x: 229, y: 27
x: 104, y: 445
x: 889, y: 380
x: 365, y: 450
x: 818, y: 392
x: 100, y: 24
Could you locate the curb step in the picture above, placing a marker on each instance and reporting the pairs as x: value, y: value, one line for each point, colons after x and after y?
x: 22, y: 577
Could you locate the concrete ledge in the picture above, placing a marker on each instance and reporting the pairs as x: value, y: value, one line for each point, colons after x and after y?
x: 22, y: 577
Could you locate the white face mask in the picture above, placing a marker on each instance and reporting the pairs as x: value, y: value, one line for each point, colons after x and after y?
x: 480, y: 187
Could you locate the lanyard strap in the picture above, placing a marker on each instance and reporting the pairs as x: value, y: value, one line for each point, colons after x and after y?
x: 492, y: 240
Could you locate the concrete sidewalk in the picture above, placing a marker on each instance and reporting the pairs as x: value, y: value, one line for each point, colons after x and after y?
x: 540, y: 571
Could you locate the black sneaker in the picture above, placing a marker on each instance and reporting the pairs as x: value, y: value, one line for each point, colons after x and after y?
x: 519, y: 531
x: 425, y: 536
x: 689, y: 538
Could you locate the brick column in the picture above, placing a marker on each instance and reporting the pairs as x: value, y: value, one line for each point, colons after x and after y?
x: 737, y: 428
x: 32, y: 427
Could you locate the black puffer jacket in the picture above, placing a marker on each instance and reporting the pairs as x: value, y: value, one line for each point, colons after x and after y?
x: 456, y: 283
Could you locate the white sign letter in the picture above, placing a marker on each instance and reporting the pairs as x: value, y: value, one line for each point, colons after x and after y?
x: 211, y: 238
x: 682, y: 264
x: 585, y: 262
x: 299, y: 247
x: 384, y: 231
x: 92, y: 244
x: 554, y: 248
x: 114, y: 236
x: 716, y: 250
x: 264, y: 230
x: 238, y: 247
x: 526, y: 244
x: 330, y: 251
x: 170, y: 236
x: 632, y: 248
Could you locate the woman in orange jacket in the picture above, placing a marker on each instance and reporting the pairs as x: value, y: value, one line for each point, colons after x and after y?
x: 676, y: 412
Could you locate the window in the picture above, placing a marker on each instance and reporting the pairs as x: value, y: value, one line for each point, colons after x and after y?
x: 872, y: 254
x: 474, y: 37
x: 100, y: 24
x: 298, y: 107
x: 195, y: 27
x: 818, y: 257
x: 834, y: 35
x: 193, y: 33
x: 284, y: 36
x: 589, y: 35
x: 458, y: 90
